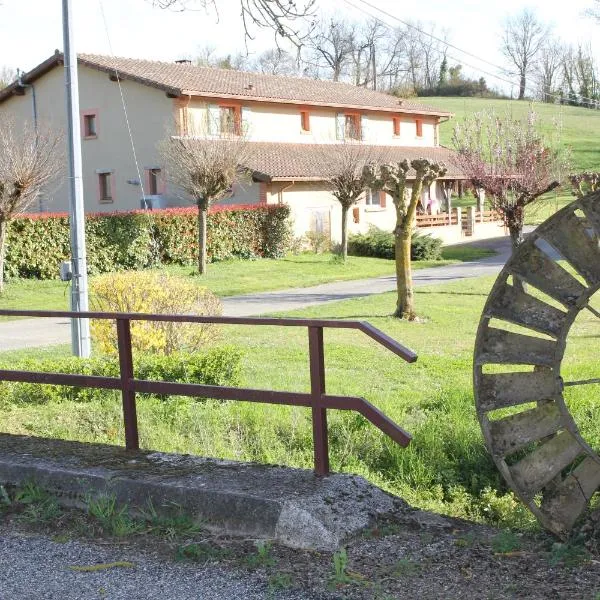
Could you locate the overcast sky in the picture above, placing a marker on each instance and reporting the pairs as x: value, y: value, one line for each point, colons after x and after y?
x: 30, y: 30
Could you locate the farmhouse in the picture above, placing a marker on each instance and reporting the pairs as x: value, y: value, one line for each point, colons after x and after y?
x: 289, y: 123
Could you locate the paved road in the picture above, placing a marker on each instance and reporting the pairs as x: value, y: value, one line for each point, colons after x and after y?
x: 28, y: 333
x: 150, y: 578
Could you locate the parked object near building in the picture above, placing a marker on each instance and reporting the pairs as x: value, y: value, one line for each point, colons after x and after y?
x: 286, y: 120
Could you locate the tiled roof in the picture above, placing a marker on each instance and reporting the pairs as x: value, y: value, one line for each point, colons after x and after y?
x: 185, y: 79
x: 299, y: 162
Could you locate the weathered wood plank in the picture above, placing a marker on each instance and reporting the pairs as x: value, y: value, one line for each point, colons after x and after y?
x: 542, y: 272
x: 591, y: 207
x: 500, y: 390
x: 570, y: 499
x: 505, y: 347
x: 571, y: 239
x: 540, y: 467
x: 510, y: 304
x: 516, y: 431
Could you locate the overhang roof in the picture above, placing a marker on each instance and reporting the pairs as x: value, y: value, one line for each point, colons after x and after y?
x: 189, y: 80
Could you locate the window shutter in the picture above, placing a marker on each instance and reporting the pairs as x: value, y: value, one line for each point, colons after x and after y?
x: 246, y: 112
x: 340, y: 126
x: 356, y: 214
x: 382, y: 199
x: 364, y: 127
x: 214, y: 119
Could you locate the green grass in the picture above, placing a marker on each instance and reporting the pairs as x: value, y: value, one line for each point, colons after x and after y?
x: 446, y: 467
x: 239, y: 276
x: 580, y: 126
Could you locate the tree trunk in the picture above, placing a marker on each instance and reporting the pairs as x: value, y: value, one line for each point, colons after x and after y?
x: 202, y: 217
x: 3, y: 225
x: 344, y: 248
x: 516, y: 239
x: 522, y: 86
x: 405, y: 307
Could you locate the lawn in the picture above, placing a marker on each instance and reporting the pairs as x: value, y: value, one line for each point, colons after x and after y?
x: 580, y: 126
x: 234, y: 277
x: 446, y: 467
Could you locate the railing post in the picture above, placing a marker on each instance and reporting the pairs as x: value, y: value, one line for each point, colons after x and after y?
x: 317, y: 389
x: 127, y: 391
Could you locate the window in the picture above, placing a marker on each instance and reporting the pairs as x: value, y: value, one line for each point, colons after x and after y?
x: 153, y: 182
x: 230, y: 119
x: 375, y: 198
x: 105, y: 187
x: 352, y: 126
x: 305, y: 120
x: 89, y: 120
x: 396, y: 121
x: 419, y: 124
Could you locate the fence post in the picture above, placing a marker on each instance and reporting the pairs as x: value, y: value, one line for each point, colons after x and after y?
x: 316, y: 355
x: 127, y: 391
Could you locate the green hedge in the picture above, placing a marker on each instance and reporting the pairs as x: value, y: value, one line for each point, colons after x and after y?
x: 381, y: 244
x: 37, y: 244
x: 217, y: 366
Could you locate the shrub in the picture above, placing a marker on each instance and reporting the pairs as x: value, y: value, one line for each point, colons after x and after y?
x: 381, y: 244
x: 318, y: 242
x: 217, y: 366
x: 152, y: 292
x: 37, y: 244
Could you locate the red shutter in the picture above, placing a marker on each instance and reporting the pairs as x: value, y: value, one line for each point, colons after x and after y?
x: 305, y: 119
x: 382, y: 199
x: 396, y: 125
x: 356, y: 214
x: 419, y: 123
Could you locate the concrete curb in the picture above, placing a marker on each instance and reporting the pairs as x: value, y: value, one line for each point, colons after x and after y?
x: 291, y: 506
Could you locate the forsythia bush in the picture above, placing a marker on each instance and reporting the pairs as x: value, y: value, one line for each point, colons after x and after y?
x: 152, y: 292
x: 37, y: 244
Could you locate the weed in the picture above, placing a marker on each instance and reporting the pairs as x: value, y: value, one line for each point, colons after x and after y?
x: 5, y: 500
x: 280, y: 581
x: 168, y: 525
x: 570, y: 554
x: 506, y: 541
x: 262, y: 557
x: 466, y: 541
x: 113, y: 519
x: 406, y: 567
x: 40, y: 505
x: 201, y: 553
x: 340, y: 574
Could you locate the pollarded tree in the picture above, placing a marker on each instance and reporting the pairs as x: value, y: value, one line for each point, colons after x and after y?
x: 511, y: 161
x: 30, y: 160
x: 347, y: 181
x: 205, y: 168
x: 393, y: 179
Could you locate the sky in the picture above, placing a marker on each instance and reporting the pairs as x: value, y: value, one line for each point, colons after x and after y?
x: 30, y: 30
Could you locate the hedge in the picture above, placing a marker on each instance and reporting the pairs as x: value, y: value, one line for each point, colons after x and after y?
x: 381, y: 244
x: 37, y: 244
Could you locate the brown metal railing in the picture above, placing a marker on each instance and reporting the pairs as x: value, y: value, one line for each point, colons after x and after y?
x: 318, y: 400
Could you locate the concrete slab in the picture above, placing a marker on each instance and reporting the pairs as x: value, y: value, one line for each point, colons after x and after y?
x: 291, y: 506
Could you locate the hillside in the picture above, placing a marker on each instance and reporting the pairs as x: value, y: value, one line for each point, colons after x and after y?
x: 580, y: 126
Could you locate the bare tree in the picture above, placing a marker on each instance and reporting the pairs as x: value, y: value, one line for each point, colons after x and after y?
x: 510, y: 160
x: 522, y: 40
x: 332, y: 44
x: 205, y: 167
x: 393, y: 179
x: 30, y: 159
x: 7, y: 76
x: 275, y: 62
x: 284, y: 17
x: 347, y: 179
x: 548, y: 67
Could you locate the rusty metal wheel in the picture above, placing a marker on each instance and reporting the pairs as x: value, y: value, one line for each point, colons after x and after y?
x: 526, y: 423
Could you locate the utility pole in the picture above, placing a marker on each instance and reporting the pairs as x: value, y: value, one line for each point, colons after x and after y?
x: 80, y: 328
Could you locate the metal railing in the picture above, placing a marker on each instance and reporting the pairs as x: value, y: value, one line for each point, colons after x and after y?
x: 317, y: 399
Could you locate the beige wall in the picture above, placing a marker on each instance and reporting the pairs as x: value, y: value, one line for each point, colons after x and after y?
x: 281, y: 123
x: 150, y: 113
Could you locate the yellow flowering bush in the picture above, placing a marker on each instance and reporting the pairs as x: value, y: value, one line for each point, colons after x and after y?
x: 152, y: 292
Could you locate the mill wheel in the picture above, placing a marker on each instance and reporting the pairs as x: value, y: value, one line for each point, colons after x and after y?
x: 526, y: 423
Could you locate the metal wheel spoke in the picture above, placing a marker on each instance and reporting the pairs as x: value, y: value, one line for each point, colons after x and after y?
x: 593, y: 311
x: 581, y: 382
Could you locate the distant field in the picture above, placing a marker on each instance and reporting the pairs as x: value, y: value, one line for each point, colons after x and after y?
x: 580, y: 126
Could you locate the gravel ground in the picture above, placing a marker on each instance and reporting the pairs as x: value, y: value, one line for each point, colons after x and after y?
x: 36, y: 568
